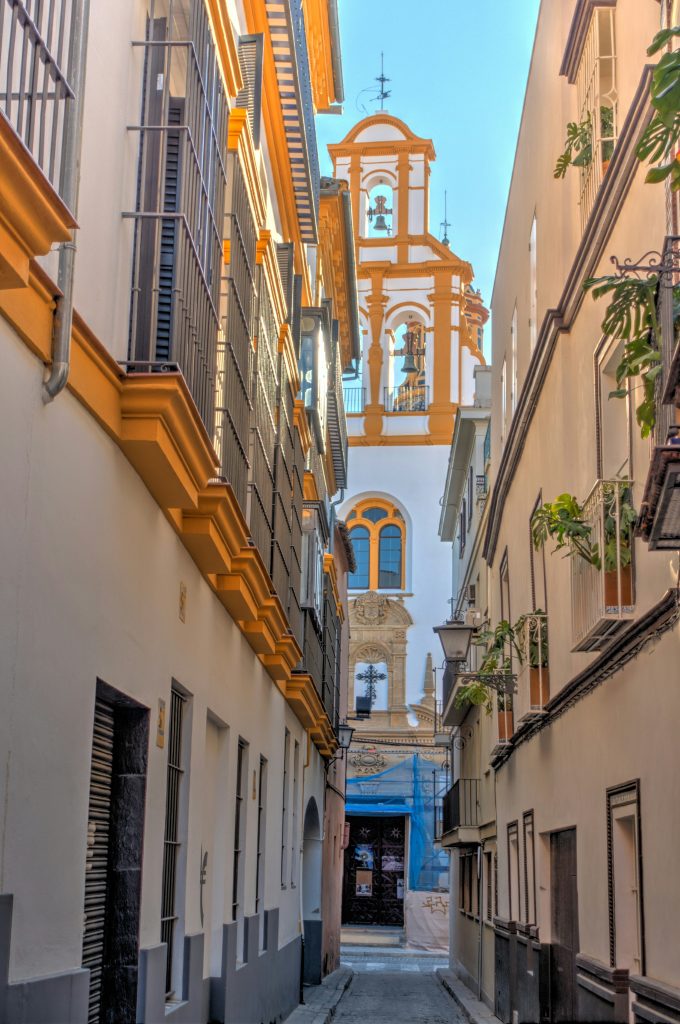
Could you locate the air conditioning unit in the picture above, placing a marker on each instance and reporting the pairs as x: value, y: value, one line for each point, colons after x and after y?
x: 473, y: 618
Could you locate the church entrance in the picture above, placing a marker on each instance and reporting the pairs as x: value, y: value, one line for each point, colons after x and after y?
x: 374, y: 880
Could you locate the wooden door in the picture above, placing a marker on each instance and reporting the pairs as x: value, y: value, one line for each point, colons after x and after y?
x: 373, y: 883
x: 564, y: 920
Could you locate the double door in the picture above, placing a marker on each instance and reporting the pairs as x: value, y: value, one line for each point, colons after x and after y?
x: 374, y: 880
x: 565, y: 941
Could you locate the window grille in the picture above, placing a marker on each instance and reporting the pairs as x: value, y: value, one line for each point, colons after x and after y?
x: 239, y: 829
x: 261, y: 821
x: 597, y: 104
x: 180, y: 206
x: 36, y: 62
x: 284, y: 812
x: 172, y: 841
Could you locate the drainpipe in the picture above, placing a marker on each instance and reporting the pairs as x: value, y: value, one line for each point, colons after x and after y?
x: 73, y: 133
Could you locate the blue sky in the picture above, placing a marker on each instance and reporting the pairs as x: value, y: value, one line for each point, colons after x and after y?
x: 458, y: 73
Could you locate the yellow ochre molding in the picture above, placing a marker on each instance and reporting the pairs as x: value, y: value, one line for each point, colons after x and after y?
x: 310, y: 489
x: 265, y: 255
x: 330, y: 568
x: 288, y: 352
x: 227, y: 50
x: 302, y: 425
x: 240, y: 141
x: 154, y: 421
x: 32, y: 215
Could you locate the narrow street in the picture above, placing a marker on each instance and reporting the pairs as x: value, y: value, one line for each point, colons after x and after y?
x: 409, y: 996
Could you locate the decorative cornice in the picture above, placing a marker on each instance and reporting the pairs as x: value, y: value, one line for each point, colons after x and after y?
x: 578, y: 34
x: 413, y: 142
x: 601, y: 223
x: 32, y: 215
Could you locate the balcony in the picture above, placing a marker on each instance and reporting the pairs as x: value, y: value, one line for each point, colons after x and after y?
x: 461, y: 814
x: 504, y: 725
x: 312, y: 651
x: 481, y: 488
x: 602, y: 593
x: 355, y: 400
x: 291, y: 60
x: 407, y: 398
x: 533, y: 678
x: 35, y: 51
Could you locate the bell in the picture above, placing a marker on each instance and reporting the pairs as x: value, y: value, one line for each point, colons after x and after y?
x: 409, y: 366
x: 380, y: 223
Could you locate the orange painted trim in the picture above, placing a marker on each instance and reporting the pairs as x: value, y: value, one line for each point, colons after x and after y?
x: 331, y: 570
x: 240, y: 141
x: 301, y: 423
x: 153, y: 420
x: 320, y: 54
x: 413, y: 142
x: 309, y: 488
x: 400, y: 440
x: 32, y: 215
x: 374, y: 529
x: 227, y: 50
x: 303, y: 698
x: 265, y: 256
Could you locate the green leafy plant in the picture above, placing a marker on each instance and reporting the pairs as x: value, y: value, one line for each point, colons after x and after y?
x: 562, y: 521
x: 578, y: 147
x: 663, y: 132
x: 631, y: 317
x: 499, y: 644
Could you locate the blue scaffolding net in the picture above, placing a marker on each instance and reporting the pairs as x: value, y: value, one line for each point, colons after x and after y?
x: 410, y: 787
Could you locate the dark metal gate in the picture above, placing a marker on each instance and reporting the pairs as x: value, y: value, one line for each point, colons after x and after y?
x: 96, y: 870
x: 374, y: 879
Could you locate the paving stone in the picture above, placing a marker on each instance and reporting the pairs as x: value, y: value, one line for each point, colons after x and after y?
x: 397, y: 998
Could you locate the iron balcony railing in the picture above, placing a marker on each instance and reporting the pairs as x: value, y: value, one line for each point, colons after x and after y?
x: 291, y: 61
x: 407, y: 398
x: 179, y: 219
x: 337, y: 421
x: 355, y: 400
x: 602, y: 589
x: 533, y: 675
x: 460, y: 808
x: 38, y: 43
x: 481, y: 487
x: 312, y: 651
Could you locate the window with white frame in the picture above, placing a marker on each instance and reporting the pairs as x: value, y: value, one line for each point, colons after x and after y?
x: 597, y: 103
x: 313, y: 545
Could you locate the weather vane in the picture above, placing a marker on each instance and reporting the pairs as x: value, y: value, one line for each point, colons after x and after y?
x: 445, y: 225
x: 383, y: 93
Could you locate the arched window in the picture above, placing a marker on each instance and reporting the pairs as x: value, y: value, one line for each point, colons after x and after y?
x: 360, y: 580
x: 378, y: 535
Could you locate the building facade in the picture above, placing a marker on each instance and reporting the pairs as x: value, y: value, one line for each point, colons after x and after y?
x: 578, y: 897
x: 173, y: 568
x: 416, y: 368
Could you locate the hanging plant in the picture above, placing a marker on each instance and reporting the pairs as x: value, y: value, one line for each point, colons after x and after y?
x: 661, y: 137
x: 562, y: 521
x: 499, y: 644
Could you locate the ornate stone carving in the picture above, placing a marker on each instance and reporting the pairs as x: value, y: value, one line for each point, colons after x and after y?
x: 373, y: 609
x: 372, y: 654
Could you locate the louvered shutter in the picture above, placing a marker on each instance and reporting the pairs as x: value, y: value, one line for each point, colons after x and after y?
x: 250, y: 56
x: 96, y: 862
x: 285, y: 252
x: 296, y: 316
x: 168, y: 246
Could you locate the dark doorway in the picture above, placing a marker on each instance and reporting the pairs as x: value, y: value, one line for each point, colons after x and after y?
x: 564, y: 920
x: 115, y: 828
x: 373, y: 884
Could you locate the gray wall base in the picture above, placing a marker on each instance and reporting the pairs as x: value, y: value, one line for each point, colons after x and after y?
x: 53, y: 997
x: 264, y: 987
x: 312, y: 951
x: 152, y: 1007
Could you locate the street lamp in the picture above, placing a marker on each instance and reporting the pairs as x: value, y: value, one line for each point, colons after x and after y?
x: 345, y: 734
x: 455, y: 638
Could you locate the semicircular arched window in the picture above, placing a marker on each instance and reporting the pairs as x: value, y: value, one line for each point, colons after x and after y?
x: 378, y: 535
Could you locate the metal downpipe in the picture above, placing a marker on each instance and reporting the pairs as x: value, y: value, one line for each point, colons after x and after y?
x: 63, y: 315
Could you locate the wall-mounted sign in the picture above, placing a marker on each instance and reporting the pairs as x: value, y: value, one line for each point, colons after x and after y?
x: 363, y: 855
x: 160, y: 724
x: 364, y: 883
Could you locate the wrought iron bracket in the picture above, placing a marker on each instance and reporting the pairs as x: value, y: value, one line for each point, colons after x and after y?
x: 501, y: 682
x: 664, y: 265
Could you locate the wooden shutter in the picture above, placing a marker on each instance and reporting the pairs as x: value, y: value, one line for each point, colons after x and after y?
x: 250, y: 56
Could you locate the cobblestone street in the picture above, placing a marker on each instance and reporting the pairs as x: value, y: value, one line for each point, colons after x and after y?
x: 407, y: 997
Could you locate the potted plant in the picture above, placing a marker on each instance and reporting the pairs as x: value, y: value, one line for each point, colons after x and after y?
x: 563, y: 521
x: 534, y: 628
x: 617, y: 558
x: 506, y: 726
x: 607, y: 135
